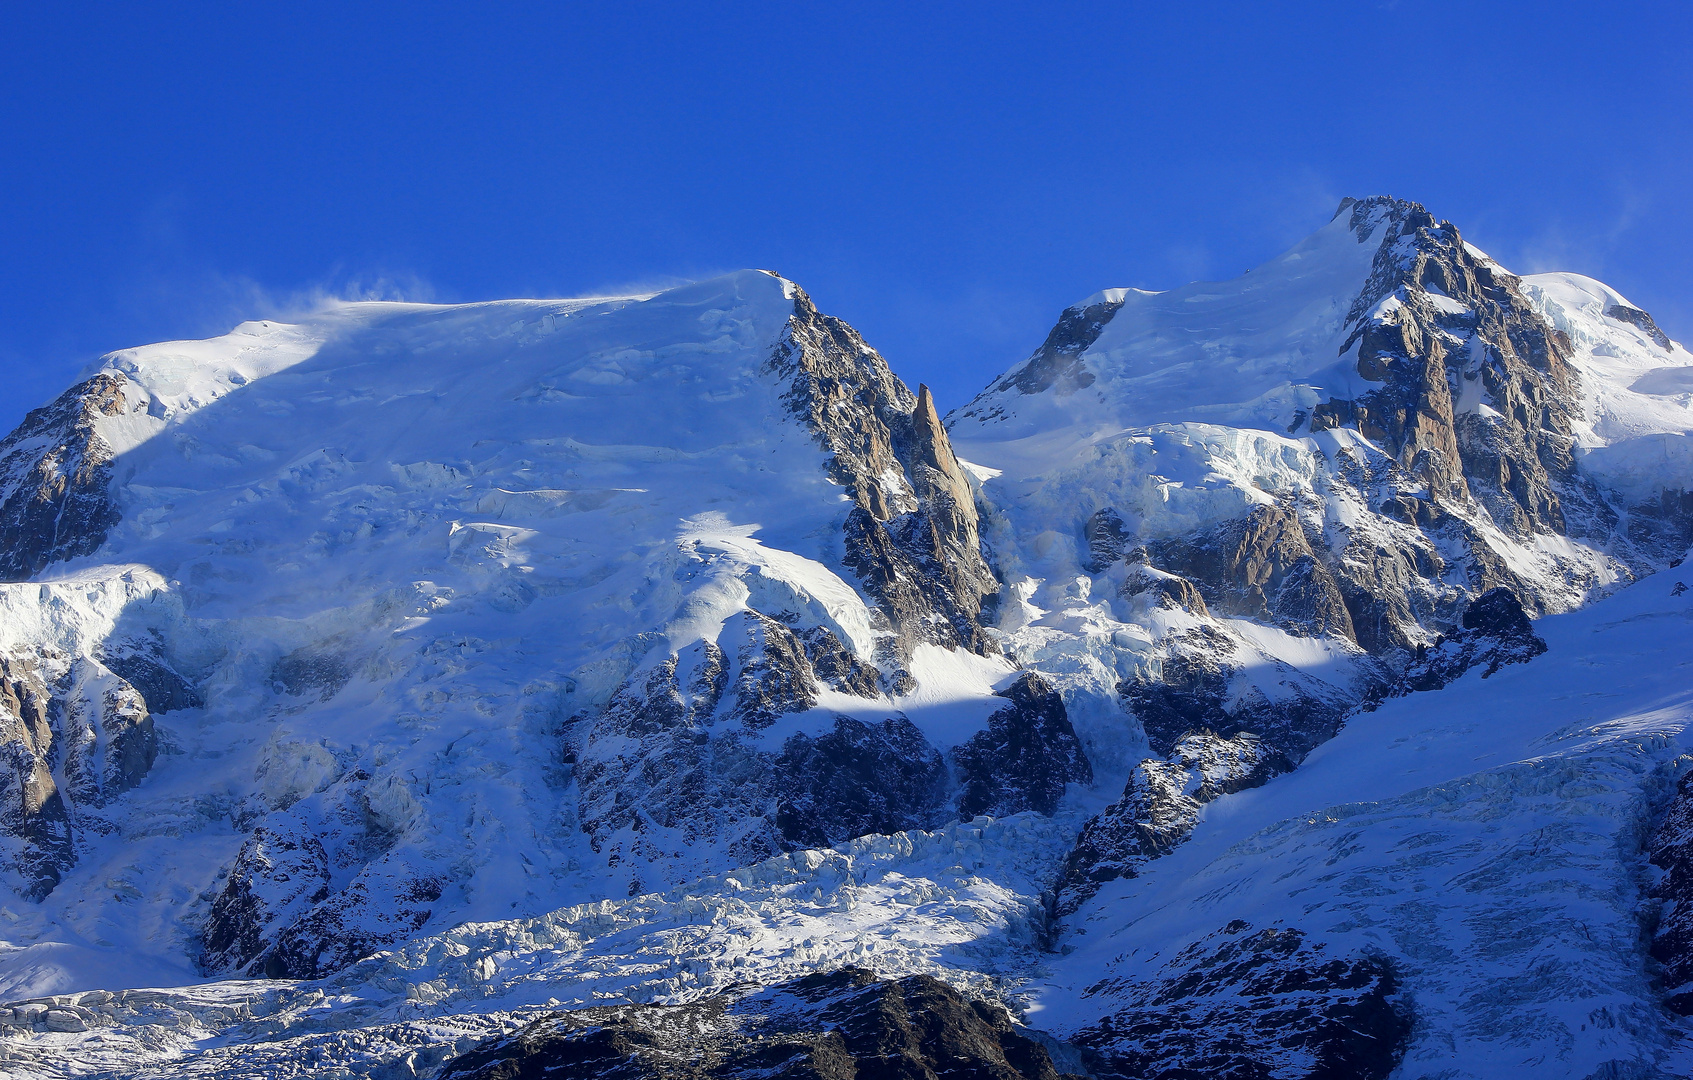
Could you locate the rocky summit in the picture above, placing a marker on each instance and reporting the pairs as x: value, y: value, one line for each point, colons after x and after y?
x: 1279, y: 677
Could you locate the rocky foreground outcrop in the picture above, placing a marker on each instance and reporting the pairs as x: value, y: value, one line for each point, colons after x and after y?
x: 1252, y: 1002
x: 835, y: 1026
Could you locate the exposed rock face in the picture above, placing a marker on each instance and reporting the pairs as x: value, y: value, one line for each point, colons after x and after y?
x: 1496, y: 631
x: 280, y: 914
x: 1163, y: 589
x: 1246, y: 1004
x: 836, y: 664
x: 912, y: 539
x: 855, y: 780
x: 1476, y: 406
x: 1057, y: 363
x: 1194, y: 689
x: 388, y: 901
x: 1409, y: 341
x: 281, y: 873
x: 1635, y: 317
x: 673, y: 770
x: 835, y: 1026
x: 140, y: 661
x: 1108, y: 536
x: 1671, y: 851
x: 35, y: 821
x: 109, y: 741
x: 658, y: 781
x: 1159, y: 808
x: 1262, y: 567
x: 1024, y: 757
x: 55, y: 472
x: 76, y: 721
x: 670, y: 770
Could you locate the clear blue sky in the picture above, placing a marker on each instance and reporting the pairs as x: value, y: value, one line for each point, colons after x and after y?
x: 946, y: 177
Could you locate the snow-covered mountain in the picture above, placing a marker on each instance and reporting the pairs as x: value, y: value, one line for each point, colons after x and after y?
x: 1273, y: 677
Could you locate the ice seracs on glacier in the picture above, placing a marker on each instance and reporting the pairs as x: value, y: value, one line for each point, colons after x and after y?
x: 471, y: 663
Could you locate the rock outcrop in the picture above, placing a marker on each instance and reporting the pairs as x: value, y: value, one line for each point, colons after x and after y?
x: 1495, y: 631
x: 108, y: 735
x: 281, y: 873
x: 676, y: 769
x: 912, y: 536
x: 55, y: 475
x: 1162, y: 589
x: 1671, y: 852
x: 665, y: 775
x: 835, y: 1026
x: 314, y: 889
x: 389, y: 901
x: 74, y: 736
x: 1160, y: 807
x: 1261, y: 567
x: 1251, y: 1002
x: 1025, y: 756
x: 1057, y: 363
x: 857, y: 779
x: 1193, y: 686
x: 35, y: 822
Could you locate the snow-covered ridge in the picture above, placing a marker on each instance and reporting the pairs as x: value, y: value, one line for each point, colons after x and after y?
x: 1637, y: 386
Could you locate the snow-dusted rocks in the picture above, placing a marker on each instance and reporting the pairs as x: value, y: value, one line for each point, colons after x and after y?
x: 1024, y: 758
x: 1160, y: 806
x: 76, y: 736
x: 1495, y: 632
x: 1248, y: 1003
x: 281, y: 873
x: 36, y: 822
x: 1671, y: 851
x: 912, y: 540
x: 834, y: 1026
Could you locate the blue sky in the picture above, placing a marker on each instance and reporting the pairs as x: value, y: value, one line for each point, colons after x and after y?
x: 945, y: 177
